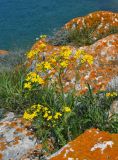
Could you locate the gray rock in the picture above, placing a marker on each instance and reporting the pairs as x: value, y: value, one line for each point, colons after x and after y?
x: 16, y: 140
x: 113, y: 108
x: 113, y: 84
x: 9, y: 117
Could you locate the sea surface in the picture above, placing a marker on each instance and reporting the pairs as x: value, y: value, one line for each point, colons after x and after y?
x: 22, y: 21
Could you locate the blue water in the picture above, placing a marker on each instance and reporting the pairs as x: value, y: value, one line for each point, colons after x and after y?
x: 21, y: 21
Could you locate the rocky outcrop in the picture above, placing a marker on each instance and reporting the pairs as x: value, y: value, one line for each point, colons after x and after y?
x: 91, y: 145
x: 103, y: 70
x: 102, y: 22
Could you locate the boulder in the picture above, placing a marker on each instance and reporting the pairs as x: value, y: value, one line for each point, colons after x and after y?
x: 101, y: 22
x: 91, y: 145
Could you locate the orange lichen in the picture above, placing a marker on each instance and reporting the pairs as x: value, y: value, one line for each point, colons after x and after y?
x: 13, y: 124
x: 29, y: 133
x: 2, y: 146
x: 16, y: 140
x: 91, y: 145
x: 19, y: 129
x: 1, y: 156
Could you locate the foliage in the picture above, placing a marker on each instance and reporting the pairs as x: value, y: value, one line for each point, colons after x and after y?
x: 11, y: 90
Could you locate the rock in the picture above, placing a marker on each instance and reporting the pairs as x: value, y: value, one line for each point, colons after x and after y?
x: 100, y: 21
x: 3, y: 52
x: 113, y: 84
x: 98, y: 75
x: 9, y: 117
x: 91, y: 145
x: 16, y: 139
x: 113, y: 108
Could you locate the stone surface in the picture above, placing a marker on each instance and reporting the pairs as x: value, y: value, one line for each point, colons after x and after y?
x: 113, y: 108
x: 91, y: 145
x: 16, y: 138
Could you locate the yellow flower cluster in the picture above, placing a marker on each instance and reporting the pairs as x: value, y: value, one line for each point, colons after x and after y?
x: 87, y: 58
x: 64, y: 64
x: 78, y: 54
x: 33, y: 53
x: 27, y: 85
x: 57, y: 115
x: 67, y: 109
x: 65, y: 52
x: 44, y: 112
x: 113, y: 94
x: 53, y: 68
x: 30, y: 116
x: 31, y: 78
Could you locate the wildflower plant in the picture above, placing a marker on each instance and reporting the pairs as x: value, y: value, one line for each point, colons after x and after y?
x: 59, y: 85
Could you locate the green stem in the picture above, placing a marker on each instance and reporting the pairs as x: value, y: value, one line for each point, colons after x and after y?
x: 61, y: 85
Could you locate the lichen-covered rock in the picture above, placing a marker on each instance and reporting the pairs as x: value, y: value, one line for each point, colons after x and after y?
x: 105, y: 53
x: 100, y: 73
x: 101, y: 22
x: 16, y: 139
x: 91, y: 145
x: 103, y: 73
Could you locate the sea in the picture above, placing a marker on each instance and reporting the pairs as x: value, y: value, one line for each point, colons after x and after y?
x: 23, y: 21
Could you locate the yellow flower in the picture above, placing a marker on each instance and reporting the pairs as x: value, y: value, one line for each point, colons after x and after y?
x: 64, y: 64
x: 45, y: 109
x: 29, y: 116
x: 57, y: 115
x: 40, y: 80
x: 34, y: 79
x: 77, y: 54
x: 65, y: 52
x: 87, y: 58
x: 113, y: 94
x: 38, y: 67
x: 67, y: 109
x: 31, y: 54
x: 33, y: 106
x: 107, y: 94
x: 53, y: 60
x: 32, y: 74
x: 27, y: 85
x: 28, y: 78
x: 45, y: 115
x: 43, y: 36
x: 42, y: 46
x: 38, y: 108
x: 47, y: 65
x: 49, y: 118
